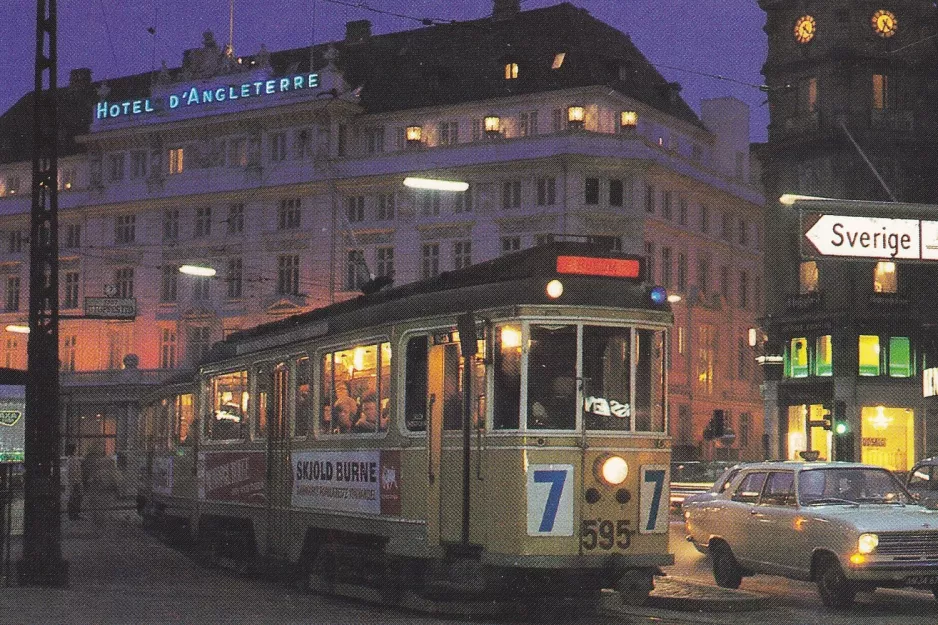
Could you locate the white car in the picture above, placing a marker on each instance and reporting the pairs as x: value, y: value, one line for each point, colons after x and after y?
x: 849, y: 527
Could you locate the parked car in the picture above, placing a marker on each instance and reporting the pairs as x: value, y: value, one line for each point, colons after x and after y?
x: 849, y: 527
x: 922, y: 482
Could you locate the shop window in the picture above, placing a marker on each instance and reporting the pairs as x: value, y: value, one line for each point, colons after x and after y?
x: 885, y: 277
x: 808, y: 277
x: 900, y: 357
x: 869, y: 355
x: 823, y: 359
x: 798, y: 358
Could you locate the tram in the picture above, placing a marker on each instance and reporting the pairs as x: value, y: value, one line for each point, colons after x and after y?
x: 499, y: 430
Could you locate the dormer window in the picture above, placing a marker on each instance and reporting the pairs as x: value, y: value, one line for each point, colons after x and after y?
x: 575, y: 117
x: 558, y: 60
x: 511, y: 71
x: 628, y: 120
x: 414, y: 135
x: 493, y: 125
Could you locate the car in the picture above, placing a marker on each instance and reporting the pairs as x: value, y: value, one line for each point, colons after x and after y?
x: 693, y: 480
x: 922, y: 482
x: 849, y: 527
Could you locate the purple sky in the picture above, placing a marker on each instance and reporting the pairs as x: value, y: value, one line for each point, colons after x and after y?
x: 110, y: 36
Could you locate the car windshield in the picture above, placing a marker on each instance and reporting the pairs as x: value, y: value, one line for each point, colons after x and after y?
x: 854, y: 485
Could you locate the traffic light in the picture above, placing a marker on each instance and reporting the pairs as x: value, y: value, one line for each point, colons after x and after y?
x: 843, y: 437
x: 841, y: 426
x: 827, y: 418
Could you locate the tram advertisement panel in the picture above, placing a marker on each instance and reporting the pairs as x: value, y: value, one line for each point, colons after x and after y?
x: 162, y: 476
x: 349, y: 481
x: 235, y: 476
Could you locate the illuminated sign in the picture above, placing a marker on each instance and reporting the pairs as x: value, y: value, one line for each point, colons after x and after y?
x: 873, y: 237
x: 590, y: 266
x: 196, y: 96
x: 930, y: 382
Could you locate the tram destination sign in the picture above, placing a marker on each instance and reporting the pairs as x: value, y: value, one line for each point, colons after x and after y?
x: 869, y: 237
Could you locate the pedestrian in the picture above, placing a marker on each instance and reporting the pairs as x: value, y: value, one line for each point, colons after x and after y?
x: 73, y: 481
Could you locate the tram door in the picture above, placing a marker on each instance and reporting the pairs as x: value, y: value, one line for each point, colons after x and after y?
x: 276, y: 403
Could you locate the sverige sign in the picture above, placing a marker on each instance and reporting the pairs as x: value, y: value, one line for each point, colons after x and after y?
x: 195, y: 96
x: 873, y: 237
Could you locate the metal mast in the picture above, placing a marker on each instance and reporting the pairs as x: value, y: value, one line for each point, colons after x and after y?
x: 42, y: 563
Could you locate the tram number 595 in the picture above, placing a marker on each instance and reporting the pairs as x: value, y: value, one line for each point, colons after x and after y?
x: 550, y: 500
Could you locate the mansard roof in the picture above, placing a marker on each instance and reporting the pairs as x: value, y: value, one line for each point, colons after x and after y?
x: 430, y: 66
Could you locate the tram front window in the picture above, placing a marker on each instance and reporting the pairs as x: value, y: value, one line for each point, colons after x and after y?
x: 607, y: 389
x: 552, y: 377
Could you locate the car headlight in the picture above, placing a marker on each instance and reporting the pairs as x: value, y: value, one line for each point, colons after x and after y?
x: 612, y: 470
x: 867, y: 543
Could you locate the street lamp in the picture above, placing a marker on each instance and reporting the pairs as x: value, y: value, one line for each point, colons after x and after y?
x: 17, y: 328
x: 433, y: 184
x: 197, y: 270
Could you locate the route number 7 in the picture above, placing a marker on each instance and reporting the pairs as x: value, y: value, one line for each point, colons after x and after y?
x: 550, y: 501
x: 652, y: 500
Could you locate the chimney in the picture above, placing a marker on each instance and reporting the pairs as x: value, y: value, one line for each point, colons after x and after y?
x: 79, y: 78
x: 505, y: 9
x: 358, y: 31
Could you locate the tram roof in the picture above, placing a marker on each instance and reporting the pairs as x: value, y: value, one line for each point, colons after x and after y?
x: 449, y: 292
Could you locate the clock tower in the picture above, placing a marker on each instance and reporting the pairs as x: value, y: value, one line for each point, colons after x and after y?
x: 853, y: 94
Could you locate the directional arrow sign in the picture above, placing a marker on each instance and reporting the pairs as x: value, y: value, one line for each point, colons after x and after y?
x: 868, y: 237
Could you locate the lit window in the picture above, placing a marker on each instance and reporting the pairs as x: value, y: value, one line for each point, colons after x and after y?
x: 628, y: 119
x: 823, y: 364
x: 175, y: 161
x: 492, y: 125
x: 869, y: 355
x: 880, y: 87
x: 558, y: 60
x: 808, y: 277
x: 798, y: 358
x: 511, y: 71
x: 884, y: 277
x: 900, y: 357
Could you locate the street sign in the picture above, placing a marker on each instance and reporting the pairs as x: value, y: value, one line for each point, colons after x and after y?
x: 871, y: 237
x: 111, y: 307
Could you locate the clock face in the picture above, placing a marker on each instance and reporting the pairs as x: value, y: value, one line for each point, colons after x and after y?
x: 884, y: 23
x: 804, y: 28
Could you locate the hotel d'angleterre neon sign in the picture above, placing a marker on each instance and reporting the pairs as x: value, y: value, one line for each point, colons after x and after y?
x: 195, y: 96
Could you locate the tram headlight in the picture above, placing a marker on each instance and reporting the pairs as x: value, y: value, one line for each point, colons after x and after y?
x: 612, y: 470
x: 554, y: 289
x: 867, y: 543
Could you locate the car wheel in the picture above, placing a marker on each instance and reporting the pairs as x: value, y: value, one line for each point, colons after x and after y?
x: 726, y: 571
x: 835, y: 590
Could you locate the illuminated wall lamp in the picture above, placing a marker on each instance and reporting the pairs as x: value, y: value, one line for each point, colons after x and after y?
x: 575, y: 116
x: 18, y: 328
x: 197, y: 270
x: 493, y: 125
x: 414, y: 135
x: 628, y: 120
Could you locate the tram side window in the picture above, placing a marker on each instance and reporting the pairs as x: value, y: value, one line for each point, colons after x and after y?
x: 355, y: 389
x: 415, y: 384
x: 552, y: 377
x: 185, y: 414
x: 229, y: 406
x: 607, y: 390
x: 507, y: 377
x: 265, y: 386
x: 649, y: 381
x: 301, y: 401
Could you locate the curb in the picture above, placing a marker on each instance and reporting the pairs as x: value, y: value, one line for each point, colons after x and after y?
x: 676, y: 593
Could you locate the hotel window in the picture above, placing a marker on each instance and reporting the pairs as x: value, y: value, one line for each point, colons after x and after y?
x: 168, y: 283
x: 356, y: 272
x: 385, y: 261
x: 167, y: 348
x: 12, y: 303
x: 666, y: 200
x: 757, y: 294
x: 278, y: 146
x: 808, y: 277
x: 868, y: 363
x: 591, y: 191
x: 726, y: 231
x: 302, y: 144
x: 17, y: 241
x: 69, y: 352
x: 743, y: 289
x: 171, y: 224
x: 511, y: 71
x: 823, y: 356
x: 11, y: 353
x: 725, y: 282
x: 66, y: 179
x: 201, y: 288
x: 235, y: 221
x: 666, y: 267
x: 475, y: 129
x: 743, y: 232
x: 203, y: 222
x: 175, y: 161
x: 703, y: 274
x: 124, y: 281
x: 682, y: 210
x: 649, y: 199
x: 288, y: 275
x: 288, y: 213
x: 807, y: 95
x: 465, y: 202
x: 355, y: 208
x: 70, y: 294
x: 342, y: 140
x: 880, y: 91
x: 681, y: 272
x: 704, y: 218
x: 798, y: 358
x: 238, y: 152
x: 448, y: 133
x: 13, y: 185
x: 511, y: 194
x: 385, y: 206
x: 527, y: 124
x: 900, y: 357
x: 558, y: 60
x: 557, y: 120
x: 885, y: 278
x: 197, y: 343
x: 431, y: 260
x: 650, y: 261
x: 546, y: 191
x: 124, y: 229
x: 616, y: 192
x: 115, y: 167
x: 462, y: 254
x: 510, y: 244
x: 254, y: 150
x: 374, y: 140
x: 234, y: 278
x: 430, y: 203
